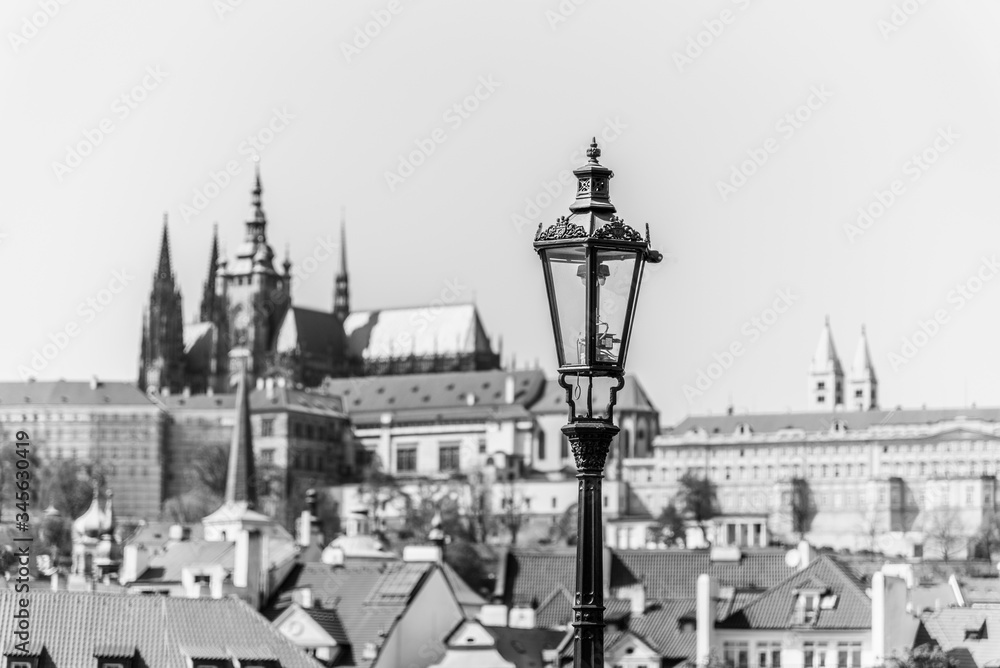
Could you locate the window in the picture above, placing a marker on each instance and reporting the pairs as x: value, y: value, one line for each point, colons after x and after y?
x: 406, y: 459
x: 769, y: 655
x: 267, y: 427
x: 736, y: 654
x: 814, y: 655
x: 807, y: 608
x: 448, y: 457
x: 267, y: 455
x: 848, y: 655
x: 482, y: 446
x: 541, y: 445
x: 821, y: 385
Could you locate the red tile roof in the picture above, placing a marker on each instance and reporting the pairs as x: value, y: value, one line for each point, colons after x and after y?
x: 73, y: 625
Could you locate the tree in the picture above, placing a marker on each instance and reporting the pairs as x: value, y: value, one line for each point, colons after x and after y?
x: 9, y: 455
x: 211, y: 468
x: 565, y: 528
x: 463, y: 556
x: 378, y: 489
x: 945, y: 530
x: 698, y: 501
x: 512, y: 510
x: 191, y: 506
x: 669, y: 527
x: 69, y: 484
x: 924, y: 656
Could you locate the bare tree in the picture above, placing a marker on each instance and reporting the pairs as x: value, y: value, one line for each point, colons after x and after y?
x: 945, y: 529
x: 669, y: 527
x: 512, y: 506
x: 697, y: 500
x: 211, y: 467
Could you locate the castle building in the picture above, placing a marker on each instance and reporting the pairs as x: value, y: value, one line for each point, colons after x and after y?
x: 247, y: 319
x: 844, y: 474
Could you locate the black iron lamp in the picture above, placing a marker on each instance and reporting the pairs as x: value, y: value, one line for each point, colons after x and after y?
x: 593, y: 264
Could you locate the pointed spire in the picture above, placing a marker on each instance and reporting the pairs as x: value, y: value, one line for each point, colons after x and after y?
x: 257, y: 225
x: 208, y: 300
x: 240, y: 477
x: 163, y: 270
x: 287, y: 264
x: 341, y: 283
x: 825, y: 359
x: 862, y: 368
x: 257, y: 192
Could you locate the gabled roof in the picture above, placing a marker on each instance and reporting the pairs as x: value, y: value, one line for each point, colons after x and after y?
x: 949, y: 627
x: 775, y: 608
x: 329, y: 621
x: 368, y: 598
x: 71, y: 625
x: 72, y: 393
x: 198, y: 340
x: 523, y: 647
x: 312, y: 332
x: 440, y: 330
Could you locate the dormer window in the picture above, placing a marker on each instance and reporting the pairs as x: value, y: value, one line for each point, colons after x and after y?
x: 807, y: 608
x: 743, y: 429
x: 114, y: 656
x: 839, y: 427
x: 22, y: 661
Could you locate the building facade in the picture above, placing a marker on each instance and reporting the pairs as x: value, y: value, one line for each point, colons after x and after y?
x: 907, y: 482
x: 109, y: 424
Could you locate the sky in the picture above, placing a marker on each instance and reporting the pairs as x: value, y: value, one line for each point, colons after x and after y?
x: 793, y: 161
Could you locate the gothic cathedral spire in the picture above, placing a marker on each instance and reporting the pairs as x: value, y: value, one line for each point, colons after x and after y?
x: 341, y: 291
x: 162, y: 365
x: 208, y: 296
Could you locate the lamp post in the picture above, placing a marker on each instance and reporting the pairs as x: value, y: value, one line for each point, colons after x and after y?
x: 593, y: 265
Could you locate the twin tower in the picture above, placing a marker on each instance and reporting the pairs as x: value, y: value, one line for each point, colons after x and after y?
x: 826, y: 377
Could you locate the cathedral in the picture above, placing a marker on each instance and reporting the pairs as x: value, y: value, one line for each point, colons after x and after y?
x: 248, y: 320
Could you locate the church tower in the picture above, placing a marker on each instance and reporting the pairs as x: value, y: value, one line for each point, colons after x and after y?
x: 256, y: 296
x: 209, y: 299
x: 341, y: 290
x: 862, y: 384
x: 162, y: 365
x: 826, y: 376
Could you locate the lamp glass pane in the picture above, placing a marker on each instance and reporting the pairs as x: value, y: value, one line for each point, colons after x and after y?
x: 615, y: 274
x: 568, y: 295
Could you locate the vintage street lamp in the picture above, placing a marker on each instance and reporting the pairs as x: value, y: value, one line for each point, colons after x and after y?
x: 593, y: 265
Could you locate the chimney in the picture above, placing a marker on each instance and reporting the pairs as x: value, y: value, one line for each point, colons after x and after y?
x: 522, y: 618
x: 248, y: 563
x: 508, y: 389
x: 260, y: 383
x: 705, y: 619
x: 56, y: 584
x: 135, y: 558
x: 493, y: 615
x: 637, y: 598
x: 303, y: 596
x: 805, y: 554
x: 187, y: 391
x: 470, y: 399
x: 269, y: 388
x: 209, y: 391
x: 94, y: 383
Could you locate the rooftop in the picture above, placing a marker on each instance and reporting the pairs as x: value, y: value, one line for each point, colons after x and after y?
x: 73, y: 393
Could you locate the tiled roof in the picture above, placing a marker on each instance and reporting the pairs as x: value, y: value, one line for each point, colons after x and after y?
x: 167, y: 565
x: 666, y: 574
x: 281, y: 398
x: 72, y: 393
x: 821, y: 421
x: 313, y: 332
x: 556, y: 610
x: 433, y: 392
x: 442, y: 330
x: 632, y: 397
x: 523, y: 647
x: 368, y: 598
x: 329, y: 621
x: 950, y: 625
x: 980, y: 590
x: 71, y: 625
x: 775, y: 608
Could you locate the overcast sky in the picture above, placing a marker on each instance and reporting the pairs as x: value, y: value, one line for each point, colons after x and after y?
x: 114, y: 112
